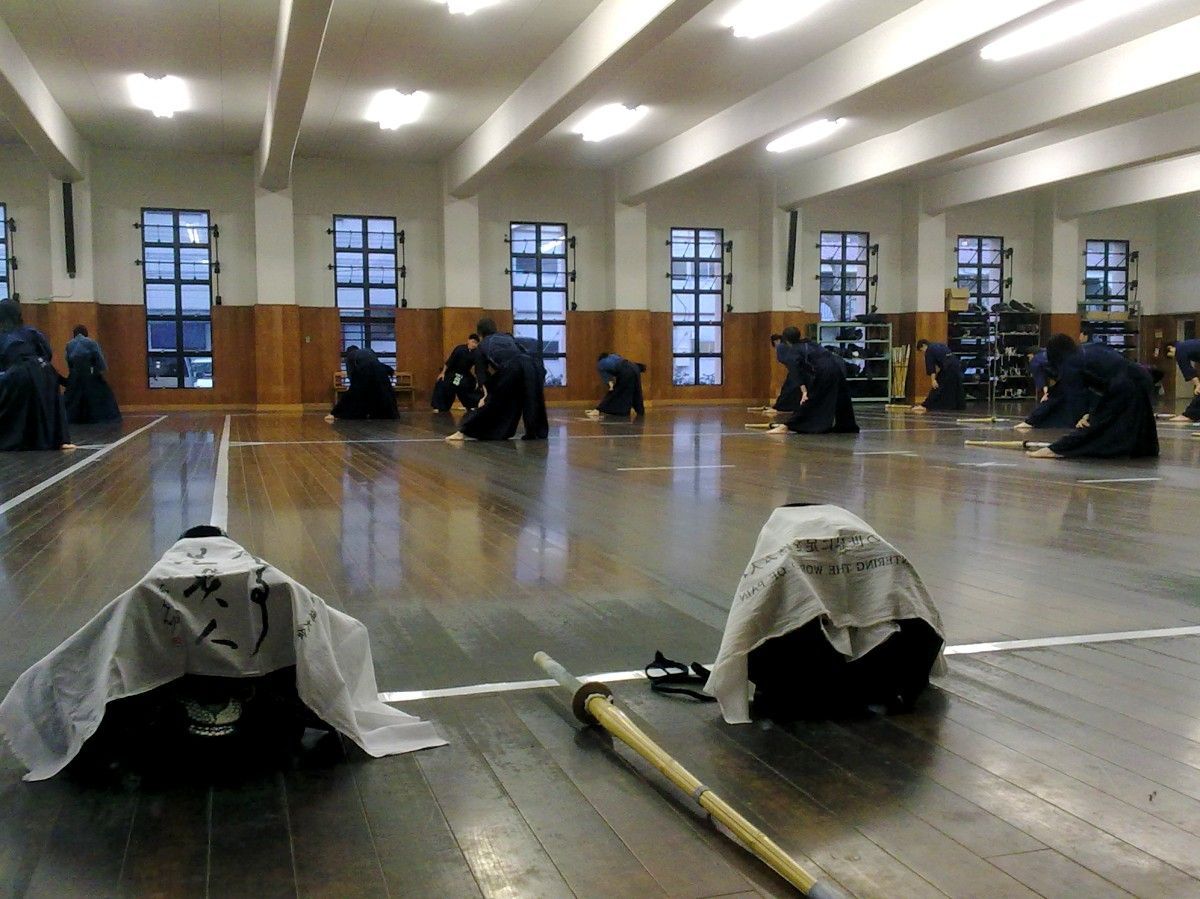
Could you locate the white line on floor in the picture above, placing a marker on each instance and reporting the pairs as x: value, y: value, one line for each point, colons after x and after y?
x: 220, y: 503
x: 964, y: 649
x: 1116, y: 480
x: 66, y: 472
x: 988, y: 464
x: 674, y: 467
x: 887, y: 453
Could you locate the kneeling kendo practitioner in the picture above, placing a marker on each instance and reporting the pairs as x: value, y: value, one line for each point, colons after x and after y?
x: 945, y: 369
x: 514, y: 389
x: 786, y: 352
x: 825, y: 403
x: 828, y: 618
x: 624, y: 382
x: 370, y: 393
x: 1186, y: 354
x: 32, y: 413
x: 457, y: 378
x: 88, y: 397
x: 1068, y: 400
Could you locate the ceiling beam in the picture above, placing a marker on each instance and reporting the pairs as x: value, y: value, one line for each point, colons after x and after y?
x: 301, y: 33
x: 27, y: 104
x: 1142, y: 140
x: 614, y: 35
x: 915, y: 36
x: 1143, y: 184
x: 1143, y: 64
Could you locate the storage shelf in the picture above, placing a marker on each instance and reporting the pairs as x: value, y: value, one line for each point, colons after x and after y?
x: 863, y: 388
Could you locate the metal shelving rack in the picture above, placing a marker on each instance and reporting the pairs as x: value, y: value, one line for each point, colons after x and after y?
x: 969, y: 337
x: 867, y: 351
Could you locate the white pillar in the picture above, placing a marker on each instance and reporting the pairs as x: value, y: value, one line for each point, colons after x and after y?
x: 1065, y: 266
x: 460, y: 251
x: 275, y: 247
x: 931, y: 252
x: 630, y: 248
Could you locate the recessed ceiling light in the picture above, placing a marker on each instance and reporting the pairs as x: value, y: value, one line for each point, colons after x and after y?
x: 466, y: 7
x: 391, y: 109
x: 163, y: 96
x: 1061, y: 25
x: 609, y: 121
x: 754, y: 18
x: 805, y: 135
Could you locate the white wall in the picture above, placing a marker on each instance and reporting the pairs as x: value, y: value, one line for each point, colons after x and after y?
x: 322, y: 188
x: 1014, y: 219
x: 124, y: 182
x: 546, y: 195
x: 24, y: 189
x: 1138, y: 225
x: 876, y: 211
x: 1178, y: 271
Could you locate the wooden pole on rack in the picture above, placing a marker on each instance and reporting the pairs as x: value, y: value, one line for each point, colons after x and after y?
x: 592, y: 704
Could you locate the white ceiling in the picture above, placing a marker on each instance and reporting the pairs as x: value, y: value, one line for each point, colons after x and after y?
x: 84, y: 49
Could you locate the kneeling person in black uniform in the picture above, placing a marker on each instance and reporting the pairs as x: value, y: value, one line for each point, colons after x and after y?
x: 457, y: 378
x: 370, y: 393
x: 513, y: 384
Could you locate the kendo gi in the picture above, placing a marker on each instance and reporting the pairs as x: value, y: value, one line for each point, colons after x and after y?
x: 827, y: 619
x: 1121, y: 424
x: 1070, y: 399
x: 515, y: 381
x: 1041, y: 372
x: 32, y: 414
x: 1187, y: 354
x: 458, y: 382
x: 829, y: 408
x: 949, y: 395
x: 370, y: 393
x: 786, y: 355
x: 88, y: 397
x: 209, y: 613
x: 626, y: 392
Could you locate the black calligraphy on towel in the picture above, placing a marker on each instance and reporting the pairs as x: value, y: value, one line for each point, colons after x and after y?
x: 208, y: 584
x: 258, y: 596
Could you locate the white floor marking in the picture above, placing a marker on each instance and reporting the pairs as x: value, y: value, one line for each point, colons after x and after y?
x: 220, y: 503
x: 963, y: 649
x: 988, y: 464
x: 1116, y: 480
x: 66, y: 472
x: 887, y: 453
x: 674, y: 467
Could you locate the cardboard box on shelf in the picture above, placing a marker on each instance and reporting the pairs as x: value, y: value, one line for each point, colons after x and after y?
x: 957, y: 299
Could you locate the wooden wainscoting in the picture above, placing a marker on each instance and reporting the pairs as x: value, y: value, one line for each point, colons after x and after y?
x: 1060, y: 323
x: 58, y: 319
x: 457, y: 323
x: 631, y: 339
x: 419, y: 347
x: 320, y: 353
x: 277, y: 364
x: 931, y: 326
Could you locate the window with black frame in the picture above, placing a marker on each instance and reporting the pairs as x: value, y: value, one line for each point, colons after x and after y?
x: 844, y: 274
x: 980, y: 268
x: 177, y: 281
x: 697, y: 295
x: 538, y: 279
x: 5, y: 276
x: 1106, y: 275
x: 365, y: 269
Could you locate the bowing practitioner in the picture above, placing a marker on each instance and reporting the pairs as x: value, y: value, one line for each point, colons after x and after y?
x: 825, y: 403
x: 1041, y: 373
x: 457, y: 378
x: 32, y: 414
x: 88, y: 397
x: 1069, y: 399
x: 624, y: 382
x: 514, y: 382
x: 946, y: 371
x: 1186, y: 354
x: 370, y: 393
x: 786, y: 351
x: 1121, y: 425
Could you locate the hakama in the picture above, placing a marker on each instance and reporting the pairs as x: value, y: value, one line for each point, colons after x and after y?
x: 370, y: 393
x: 1122, y: 423
x: 949, y: 394
x: 626, y: 392
x: 515, y: 392
x: 88, y: 397
x: 458, y: 382
x: 32, y: 414
x: 789, y: 394
x: 829, y: 408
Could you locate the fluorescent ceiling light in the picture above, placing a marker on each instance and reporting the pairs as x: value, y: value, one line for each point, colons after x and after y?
x: 466, y: 7
x: 805, y: 135
x: 162, y: 96
x: 754, y: 18
x: 1061, y: 25
x: 391, y: 109
x: 609, y: 121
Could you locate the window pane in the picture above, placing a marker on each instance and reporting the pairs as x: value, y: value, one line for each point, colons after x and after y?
x: 196, y: 298
x: 554, y: 339
x: 524, y: 238
x: 710, y: 371
x: 197, y: 335
x: 160, y: 335
x: 683, y: 340
x: 554, y: 273
x: 828, y: 310
x: 163, y: 371
x: 525, y: 305
x: 524, y: 271
x: 349, y: 268
x: 710, y: 244
x: 198, y: 371
x: 683, y: 305
x: 347, y: 233
x: 160, y: 298
x: 3, y: 290
x: 553, y: 232
x: 383, y: 298
x: 382, y: 268
x: 158, y: 226
x: 350, y: 298
x: 353, y: 334
x: 710, y: 307
x: 710, y: 339
x: 193, y: 228
x: 684, y: 373
x: 1118, y: 253
x: 528, y: 331
x: 683, y: 244
x: 159, y: 263
x: 381, y: 234
x: 710, y: 275
x: 193, y: 265
x: 554, y: 305
x: 556, y: 372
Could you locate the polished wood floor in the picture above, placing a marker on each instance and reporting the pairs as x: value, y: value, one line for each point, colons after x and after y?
x: 1066, y: 771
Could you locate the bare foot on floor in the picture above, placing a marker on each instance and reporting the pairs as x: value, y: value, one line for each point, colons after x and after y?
x: 777, y: 429
x: 456, y: 437
x: 592, y: 413
x: 1023, y: 426
x: 68, y: 447
x: 330, y: 419
x: 920, y: 410
x: 1179, y: 418
x: 1044, y: 453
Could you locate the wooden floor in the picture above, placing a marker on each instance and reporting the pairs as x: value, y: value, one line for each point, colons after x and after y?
x: 1060, y: 771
